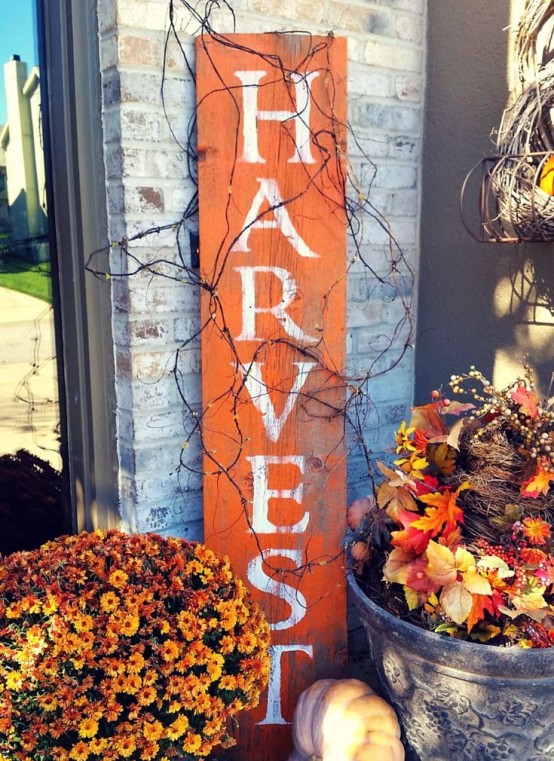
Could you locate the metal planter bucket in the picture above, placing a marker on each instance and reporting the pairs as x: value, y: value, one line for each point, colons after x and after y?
x: 460, y: 701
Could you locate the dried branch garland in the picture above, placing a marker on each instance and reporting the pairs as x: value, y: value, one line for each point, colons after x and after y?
x: 392, y: 277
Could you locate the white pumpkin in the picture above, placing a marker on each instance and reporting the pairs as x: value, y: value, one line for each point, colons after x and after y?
x: 344, y: 720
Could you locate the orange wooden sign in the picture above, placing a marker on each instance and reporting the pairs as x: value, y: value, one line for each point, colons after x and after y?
x: 271, y: 141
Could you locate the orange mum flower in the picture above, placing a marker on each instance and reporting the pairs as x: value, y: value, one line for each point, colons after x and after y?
x: 118, y: 578
x: 109, y: 631
x: 153, y: 730
x: 109, y: 601
x: 146, y: 696
x: 88, y: 728
x: 178, y: 727
x: 79, y: 752
x: 192, y: 743
x: 536, y: 530
x: 126, y: 746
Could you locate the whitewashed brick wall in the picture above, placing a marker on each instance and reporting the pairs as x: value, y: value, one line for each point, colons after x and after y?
x: 149, y: 186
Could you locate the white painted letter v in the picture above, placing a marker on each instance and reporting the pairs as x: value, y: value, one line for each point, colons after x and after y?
x: 259, y: 393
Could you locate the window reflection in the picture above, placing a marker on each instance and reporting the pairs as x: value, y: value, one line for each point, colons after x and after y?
x: 30, y: 461
x: 22, y: 146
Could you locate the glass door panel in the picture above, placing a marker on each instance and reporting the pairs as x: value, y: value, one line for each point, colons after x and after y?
x: 30, y: 460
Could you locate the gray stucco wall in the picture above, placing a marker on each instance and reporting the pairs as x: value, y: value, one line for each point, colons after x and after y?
x: 484, y: 304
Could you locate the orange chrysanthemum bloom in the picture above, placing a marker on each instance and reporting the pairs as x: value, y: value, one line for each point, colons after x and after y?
x: 78, y: 655
x: 118, y: 578
x: 88, y: 728
x: 536, y: 530
x: 125, y: 746
x: 153, y: 730
x: 109, y: 601
x: 146, y: 696
x: 79, y: 752
x: 192, y: 743
x: 178, y: 727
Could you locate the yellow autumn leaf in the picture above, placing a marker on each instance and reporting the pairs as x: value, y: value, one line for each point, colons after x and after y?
x: 464, y: 559
x: 412, y: 598
x: 493, y: 563
x: 441, y: 564
x: 443, y: 458
x: 533, y: 600
x: 456, y: 602
x: 476, y: 584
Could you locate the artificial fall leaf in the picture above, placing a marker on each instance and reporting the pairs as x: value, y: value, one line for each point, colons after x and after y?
x: 443, y: 458
x: 476, y: 584
x: 481, y: 604
x: 418, y: 579
x: 536, y: 615
x: 494, y: 563
x: 410, y: 539
x: 530, y: 601
x: 456, y: 601
x: 457, y: 408
x: 527, y: 400
x: 397, y: 566
x: 538, y: 484
x: 447, y: 628
x: 455, y: 432
x: 394, y: 499
x: 412, y: 598
x: 395, y: 477
x: 464, y: 560
x: 451, y: 540
x: 441, y: 564
x: 443, y: 514
x: 420, y: 441
x: 512, y: 514
x: 427, y: 420
x: 485, y: 632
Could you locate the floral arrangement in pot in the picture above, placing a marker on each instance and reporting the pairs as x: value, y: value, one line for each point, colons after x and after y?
x: 116, y: 646
x: 453, y: 573
x: 458, y: 536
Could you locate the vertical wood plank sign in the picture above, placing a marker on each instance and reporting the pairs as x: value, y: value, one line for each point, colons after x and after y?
x: 271, y: 144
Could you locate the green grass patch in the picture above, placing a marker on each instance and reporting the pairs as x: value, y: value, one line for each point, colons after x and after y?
x: 26, y: 277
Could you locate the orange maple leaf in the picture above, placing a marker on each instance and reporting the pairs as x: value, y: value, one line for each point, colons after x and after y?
x: 481, y: 604
x: 444, y: 513
x: 538, y: 484
x: 527, y: 400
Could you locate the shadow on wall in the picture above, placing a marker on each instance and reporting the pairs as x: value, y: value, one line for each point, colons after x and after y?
x: 523, y: 303
x: 490, y: 305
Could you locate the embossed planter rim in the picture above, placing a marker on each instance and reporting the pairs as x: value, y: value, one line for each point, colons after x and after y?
x: 479, y: 661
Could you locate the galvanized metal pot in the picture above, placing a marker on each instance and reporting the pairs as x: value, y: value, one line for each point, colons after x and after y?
x: 461, y: 701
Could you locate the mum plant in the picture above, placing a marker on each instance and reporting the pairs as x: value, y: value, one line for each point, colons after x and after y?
x: 116, y: 646
x: 458, y: 536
